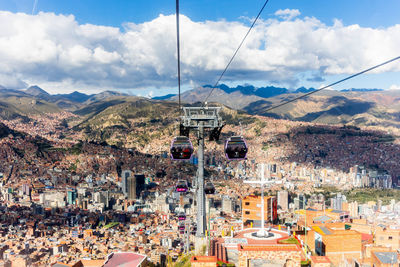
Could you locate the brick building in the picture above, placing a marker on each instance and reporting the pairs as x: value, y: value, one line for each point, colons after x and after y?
x: 251, y: 210
x: 388, y: 237
x: 336, y: 244
x: 244, y: 249
x: 289, y: 255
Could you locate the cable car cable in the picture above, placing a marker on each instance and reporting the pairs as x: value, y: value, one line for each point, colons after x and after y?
x: 34, y: 7
x: 240, y: 45
x: 332, y: 84
x: 178, y: 55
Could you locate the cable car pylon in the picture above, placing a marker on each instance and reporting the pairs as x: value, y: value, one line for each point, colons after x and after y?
x: 196, y: 119
x: 200, y: 119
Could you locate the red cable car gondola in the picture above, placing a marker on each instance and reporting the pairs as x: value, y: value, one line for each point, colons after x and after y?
x: 209, y: 188
x: 181, y: 216
x: 181, y: 228
x: 236, y: 148
x: 181, y: 148
x: 181, y: 186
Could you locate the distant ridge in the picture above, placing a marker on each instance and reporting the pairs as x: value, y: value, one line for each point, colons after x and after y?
x: 163, y: 97
x: 103, y: 95
x: 264, y: 92
x: 36, y: 91
x: 75, y: 96
x: 246, y: 90
x: 361, y: 90
x: 304, y: 90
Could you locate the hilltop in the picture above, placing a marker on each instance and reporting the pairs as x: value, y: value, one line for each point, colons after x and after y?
x: 356, y: 106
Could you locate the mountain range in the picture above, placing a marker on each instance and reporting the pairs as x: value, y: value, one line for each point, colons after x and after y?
x: 359, y: 107
x: 356, y: 106
x: 35, y: 100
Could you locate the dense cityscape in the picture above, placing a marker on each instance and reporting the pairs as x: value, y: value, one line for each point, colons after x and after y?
x: 85, y: 202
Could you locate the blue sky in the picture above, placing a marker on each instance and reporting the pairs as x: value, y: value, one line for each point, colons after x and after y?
x: 128, y: 46
x: 367, y: 13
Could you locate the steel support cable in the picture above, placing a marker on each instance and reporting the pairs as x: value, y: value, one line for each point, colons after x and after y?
x: 178, y: 55
x: 332, y: 84
x: 240, y: 45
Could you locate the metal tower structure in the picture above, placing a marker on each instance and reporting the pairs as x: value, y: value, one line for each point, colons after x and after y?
x: 200, y: 119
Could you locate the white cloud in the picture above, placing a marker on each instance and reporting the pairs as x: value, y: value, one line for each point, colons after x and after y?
x: 150, y: 94
x: 287, y: 14
x: 394, y: 87
x: 12, y: 82
x: 55, y: 50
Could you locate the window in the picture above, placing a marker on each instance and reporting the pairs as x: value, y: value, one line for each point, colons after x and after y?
x: 247, y: 203
x: 247, y: 212
x: 390, y: 237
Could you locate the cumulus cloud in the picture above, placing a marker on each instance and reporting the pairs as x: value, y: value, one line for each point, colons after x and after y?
x: 394, y: 87
x: 287, y: 14
x: 56, y: 50
x: 12, y: 82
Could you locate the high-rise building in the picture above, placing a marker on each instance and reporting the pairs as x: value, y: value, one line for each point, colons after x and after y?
x: 353, y: 209
x: 102, y: 197
x: 140, y: 183
x: 337, y: 202
x: 227, y: 204
x: 71, y: 196
x: 302, y: 201
x: 26, y: 190
x: 131, y: 188
x: 273, y: 168
x: 283, y: 199
x: 124, y: 183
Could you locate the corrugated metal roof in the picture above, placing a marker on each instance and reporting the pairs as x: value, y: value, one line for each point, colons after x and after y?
x: 325, y: 230
x: 322, y: 230
x: 322, y: 218
x: 387, y: 257
x: 337, y: 211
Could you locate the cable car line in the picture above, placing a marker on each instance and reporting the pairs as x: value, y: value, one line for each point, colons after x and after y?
x: 234, y: 54
x: 34, y: 7
x: 178, y: 55
x: 332, y: 84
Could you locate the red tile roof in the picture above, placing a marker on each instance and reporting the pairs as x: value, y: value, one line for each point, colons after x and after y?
x: 280, y: 247
x: 123, y: 259
x: 366, y: 237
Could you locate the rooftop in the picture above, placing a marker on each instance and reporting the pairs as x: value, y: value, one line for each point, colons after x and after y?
x: 322, y: 219
x: 386, y: 257
x: 124, y: 259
